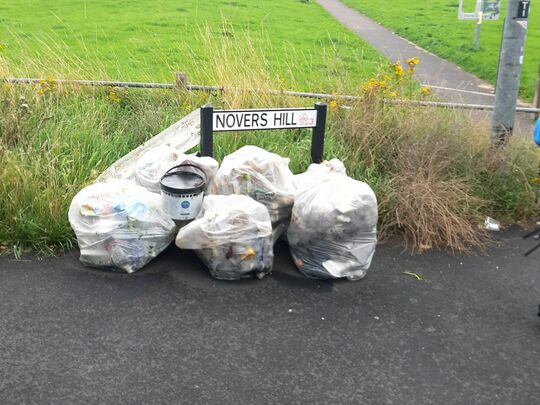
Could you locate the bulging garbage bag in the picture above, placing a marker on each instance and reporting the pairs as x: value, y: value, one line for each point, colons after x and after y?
x: 333, y: 229
x: 157, y: 161
x: 318, y: 172
x: 119, y: 225
x: 232, y: 235
x: 262, y: 175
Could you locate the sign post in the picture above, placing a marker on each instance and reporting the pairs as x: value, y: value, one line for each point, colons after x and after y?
x: 478, y: 27
x: 264, y: 119
x: 484, y: 10
x: 509, y: 73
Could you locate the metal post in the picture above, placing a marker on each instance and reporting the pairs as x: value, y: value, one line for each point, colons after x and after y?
x: 537, y: 94
x: 509, y: 74
x: 478, y: 28
x: 207, y: 131
x: 317, y: 138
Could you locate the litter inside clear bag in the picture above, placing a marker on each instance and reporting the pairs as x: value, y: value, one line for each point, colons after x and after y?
x: 333, y: 229
x: 262, y: 175
x: 232, y: 235
x: 119, y: 225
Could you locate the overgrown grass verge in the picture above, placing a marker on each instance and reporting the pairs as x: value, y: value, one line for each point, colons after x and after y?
x: 432, y: 170
x: 434, y: 174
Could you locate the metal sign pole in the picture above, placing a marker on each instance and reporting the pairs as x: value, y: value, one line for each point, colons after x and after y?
x: 484, y: 10
x: 478, y: 28
x: 207, y: 131
x: 317, y: 138
x: 509, y: 74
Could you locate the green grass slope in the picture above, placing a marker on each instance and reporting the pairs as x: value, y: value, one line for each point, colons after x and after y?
x: 150, y: 39
x: 434, y: 25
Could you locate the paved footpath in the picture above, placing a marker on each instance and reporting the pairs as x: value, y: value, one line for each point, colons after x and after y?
x: 467, y: 333
x: 432, y: 70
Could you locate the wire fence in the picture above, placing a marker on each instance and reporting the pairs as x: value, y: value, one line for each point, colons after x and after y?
x: 181, y: 83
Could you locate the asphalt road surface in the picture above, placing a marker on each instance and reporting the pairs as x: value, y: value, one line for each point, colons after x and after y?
x: 468, y: 333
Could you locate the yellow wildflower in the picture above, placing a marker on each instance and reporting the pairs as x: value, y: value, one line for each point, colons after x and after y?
x: 47, y: 85
x: 370, y: 86
x: 398, y: 69
x: 412, y: 62
x: 425, y: 91
x: 410, y: 71
x: 114, y: 97
x: 332, y: 104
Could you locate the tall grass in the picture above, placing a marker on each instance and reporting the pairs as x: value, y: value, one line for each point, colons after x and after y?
x: 435, y: 174
x: 432, y: 170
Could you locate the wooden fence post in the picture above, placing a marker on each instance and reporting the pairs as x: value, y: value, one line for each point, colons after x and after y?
x: 181, y: 80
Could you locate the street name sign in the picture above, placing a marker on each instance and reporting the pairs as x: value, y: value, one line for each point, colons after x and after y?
x: 264, y: 119
x: 245, y: 120
x: 484, y: 10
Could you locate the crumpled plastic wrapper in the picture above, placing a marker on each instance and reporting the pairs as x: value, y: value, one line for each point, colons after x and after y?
x: 333, y: 229
x: 119, y: 225
x: 232, y: 235
x: 262, y: 175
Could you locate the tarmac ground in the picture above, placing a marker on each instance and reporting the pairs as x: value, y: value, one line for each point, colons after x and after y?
x: 468, y: 332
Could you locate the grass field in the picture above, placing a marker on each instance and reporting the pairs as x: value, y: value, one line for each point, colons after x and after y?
x: 303, y: 46
x: 434, y: 26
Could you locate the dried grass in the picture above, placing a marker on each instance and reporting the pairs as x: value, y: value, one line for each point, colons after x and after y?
x: 434, y: 173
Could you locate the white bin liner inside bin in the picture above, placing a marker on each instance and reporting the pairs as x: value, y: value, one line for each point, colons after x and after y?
x: 333, y: 229
x: 119, y: 225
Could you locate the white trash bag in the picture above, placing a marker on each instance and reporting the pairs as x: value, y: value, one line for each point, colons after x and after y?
x: 151, y: 167
x: 262, y: 175
x: 232, y: 235
x: 119, y: 225
x: 318, y: 172
x: 333, y: 229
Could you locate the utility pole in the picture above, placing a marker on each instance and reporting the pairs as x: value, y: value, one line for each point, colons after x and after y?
x: 509, y: 74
